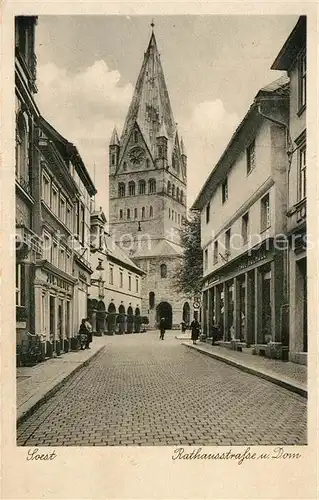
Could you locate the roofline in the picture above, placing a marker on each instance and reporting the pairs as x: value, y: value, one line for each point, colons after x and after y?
x: 288, y: 47
x: 74, y: 154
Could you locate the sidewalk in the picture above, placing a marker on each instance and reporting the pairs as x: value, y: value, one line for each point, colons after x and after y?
x: 37, y: 383
x: 284, y: 373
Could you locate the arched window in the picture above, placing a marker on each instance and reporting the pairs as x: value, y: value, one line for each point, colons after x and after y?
x: 121, y: 189
x: 169, y: 213
x: 169, y: 187
x: 179, y: 218
x: 143, y: 212
x: 121, y: 214
x: 177, y: 193
x: 152, y: 186
x: 147, y: 163
x: 22, y: 139
x: 128, y: 213
x: 151, y: 212
x: 124, y: 166
x: 163, y: 270
x: 173, y: 190
x: 182, y: 196
x: 135, y: 213
x: 135, y: 136
x: 174, y: 161
x: 173, y: 214
x: 131, y: 188
x: 151, y: 300
x: 142, y: 187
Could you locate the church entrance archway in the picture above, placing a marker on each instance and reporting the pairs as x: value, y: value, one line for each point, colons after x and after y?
x: 164, y: 310
x: 111, y: 319
x: 186, y: 314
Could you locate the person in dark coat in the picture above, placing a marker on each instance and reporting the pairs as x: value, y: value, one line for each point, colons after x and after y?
x: 83, y: 331
x: 162, y: 328
x: 195, y: 330
x: 89, y: 333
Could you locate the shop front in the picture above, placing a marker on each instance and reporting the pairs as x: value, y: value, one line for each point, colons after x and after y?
x: 244, y: 300
x: 54, y: 292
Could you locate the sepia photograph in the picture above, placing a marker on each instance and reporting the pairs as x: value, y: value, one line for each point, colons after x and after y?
x: 161, y: 232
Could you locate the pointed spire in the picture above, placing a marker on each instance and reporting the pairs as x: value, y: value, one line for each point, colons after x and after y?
x: 162, y: 131
x: 183, y: 150
x: 115, y: 138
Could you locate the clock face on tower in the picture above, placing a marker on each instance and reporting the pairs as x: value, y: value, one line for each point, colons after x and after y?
x: 137, y: 155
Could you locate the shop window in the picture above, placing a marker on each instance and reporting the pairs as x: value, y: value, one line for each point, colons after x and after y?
x: 302, y: 173
x: 250, y: 155
x: 265, y: 212
x: 163, y: 270
x: 225, y: 190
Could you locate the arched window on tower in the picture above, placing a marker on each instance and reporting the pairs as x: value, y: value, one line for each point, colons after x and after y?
x: 147, y: 163
x: 152, y: 186
x: 128, y: 216
x: 182, y: 196
x: 163, y: 270
x: 142, y: 187
x: 124, y: 166
x: 131, y: 188
x: 121, y: 214
x: 151, y: 300
x: 121, y: 189
x: 169, y: 187
x: 113, y: 159
x: 135, y: 213
x: 173, y: 190
x: 143, y: 212
x: 177, y: 193
x: 151, y: 212
x: 135, y: 136
x: 169, y: 213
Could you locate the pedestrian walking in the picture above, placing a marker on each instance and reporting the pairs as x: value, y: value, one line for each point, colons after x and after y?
x: 162, y: 325
x: 195, y: 327
x: 89, y: 333
x: 83, y: 334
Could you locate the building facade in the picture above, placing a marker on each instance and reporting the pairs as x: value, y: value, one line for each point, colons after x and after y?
x: 147, y: 190
x: 62, y: 276
x: 114, y: 304
x: 28, y: 243
x: 243, y: 211
x: 293, y: 59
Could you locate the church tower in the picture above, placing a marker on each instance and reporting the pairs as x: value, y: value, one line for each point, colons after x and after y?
x: 147, y: 189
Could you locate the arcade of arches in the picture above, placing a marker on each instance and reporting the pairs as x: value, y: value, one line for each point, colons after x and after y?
x: 113, y: 320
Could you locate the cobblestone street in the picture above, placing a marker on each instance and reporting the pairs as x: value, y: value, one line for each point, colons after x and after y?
x: 143, y: 391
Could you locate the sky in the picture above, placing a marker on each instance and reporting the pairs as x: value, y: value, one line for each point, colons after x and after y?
x: 213, y: 67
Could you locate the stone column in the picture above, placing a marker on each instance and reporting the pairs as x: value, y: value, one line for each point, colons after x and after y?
x: 226, y: 333
x: 258, y: 307
x: 249, y: 309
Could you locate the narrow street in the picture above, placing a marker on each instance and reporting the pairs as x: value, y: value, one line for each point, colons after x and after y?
x: 143, y: 391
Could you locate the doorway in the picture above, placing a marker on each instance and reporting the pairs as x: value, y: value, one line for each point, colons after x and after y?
x: 164, y: 310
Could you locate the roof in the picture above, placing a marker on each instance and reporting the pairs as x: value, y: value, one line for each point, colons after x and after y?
x: 150, y: 104
x: 218, y: 172
x: 73, y: 153
x: 115, y: 141
x: 293, y: 45
x: 155, y: 248
x: 113, y: 250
